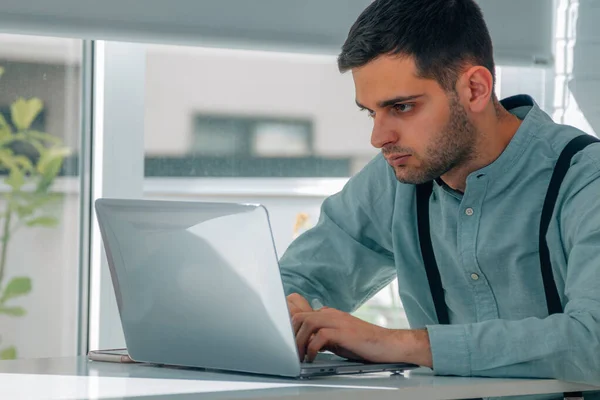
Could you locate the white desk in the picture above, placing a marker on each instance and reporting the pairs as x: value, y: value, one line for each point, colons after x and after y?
x: 78, y: 378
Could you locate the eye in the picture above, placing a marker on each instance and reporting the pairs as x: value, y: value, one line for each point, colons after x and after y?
x: 403, y: 108
x: 371, y: 114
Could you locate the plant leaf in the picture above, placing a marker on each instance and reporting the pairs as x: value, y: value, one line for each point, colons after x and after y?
x: 7, y: 158
x: 23, y: 112
x: 1, y: 71
x: 5, y: 130
x: 49, y: 164
x: 45, y: 137
x: 24, y: 210
x: 24, y: 162
x: 9, y: 353
x: 18, y: 286
x: 22, y: 137
x: 15, y: 137
x: 52, y: 168
x: 40, y: 199
x: 45, y: 221
x: 13, y: 311
x: 15, y: 179
x: 51, y: 160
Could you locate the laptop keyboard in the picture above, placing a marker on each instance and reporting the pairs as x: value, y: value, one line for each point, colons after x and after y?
x: 328, y: 359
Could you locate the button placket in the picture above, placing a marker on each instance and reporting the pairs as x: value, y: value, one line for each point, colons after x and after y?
x: 469, y: 219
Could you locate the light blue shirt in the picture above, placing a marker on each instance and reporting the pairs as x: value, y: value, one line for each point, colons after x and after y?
x: 488, y: 257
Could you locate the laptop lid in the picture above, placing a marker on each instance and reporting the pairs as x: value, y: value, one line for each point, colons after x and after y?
x: 198, y: 284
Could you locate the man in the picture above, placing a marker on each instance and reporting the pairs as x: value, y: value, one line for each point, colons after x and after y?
x: 424, y: 72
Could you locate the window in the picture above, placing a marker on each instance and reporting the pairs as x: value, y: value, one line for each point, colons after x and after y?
x: 239, y: 113
x: 566, y: 110
x: 223, y: 136
x: 39, y: 196
x: 248, y: 146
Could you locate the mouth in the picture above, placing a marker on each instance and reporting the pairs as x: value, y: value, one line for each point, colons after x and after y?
x: 397, y: 160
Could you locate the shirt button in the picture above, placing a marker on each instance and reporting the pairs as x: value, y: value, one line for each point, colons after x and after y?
x: 474, y: 277
x: 469, y: 211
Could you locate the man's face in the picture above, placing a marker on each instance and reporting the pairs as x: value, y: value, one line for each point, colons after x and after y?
x: 422, y: 131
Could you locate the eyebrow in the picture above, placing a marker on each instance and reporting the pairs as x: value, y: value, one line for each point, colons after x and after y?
x: 390, y: 102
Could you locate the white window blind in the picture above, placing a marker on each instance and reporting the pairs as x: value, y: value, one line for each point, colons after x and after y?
x: 521, y: 30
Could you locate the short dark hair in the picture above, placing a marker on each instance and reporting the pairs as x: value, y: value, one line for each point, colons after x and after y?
x: 441, y: 36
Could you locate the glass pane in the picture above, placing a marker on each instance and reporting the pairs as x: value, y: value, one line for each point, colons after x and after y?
x: 524, y: 80
x: 278, y: 129
x: 574, y: 117
x: 560, y: 29
x: 233, y: 136
x: 249, y: 114
x: 577, y: 79
x: 39, y: 195
x: 560, y: 60
x: 283, y: 139
x: 559, y: 91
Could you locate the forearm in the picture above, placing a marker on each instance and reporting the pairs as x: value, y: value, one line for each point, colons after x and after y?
x: 411, y: 346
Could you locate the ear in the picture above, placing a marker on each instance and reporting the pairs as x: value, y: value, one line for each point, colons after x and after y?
x: 475, y: 88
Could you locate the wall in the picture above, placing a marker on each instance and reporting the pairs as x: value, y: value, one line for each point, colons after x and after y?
x: 182, y: 81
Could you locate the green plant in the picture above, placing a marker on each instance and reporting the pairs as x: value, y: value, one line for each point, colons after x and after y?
x: 31, y: 160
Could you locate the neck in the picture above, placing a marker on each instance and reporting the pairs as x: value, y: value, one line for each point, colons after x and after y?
x: 494, y: 134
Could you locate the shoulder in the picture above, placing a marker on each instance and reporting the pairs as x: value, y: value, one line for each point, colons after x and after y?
x: 376, y: 183
x: 577, y: 205
x: 551, y: 138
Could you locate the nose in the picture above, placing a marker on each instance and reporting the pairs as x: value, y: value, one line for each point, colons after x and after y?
x: 383, y: 133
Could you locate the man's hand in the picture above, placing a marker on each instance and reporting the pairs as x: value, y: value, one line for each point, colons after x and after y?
x: 351, y: 337
x: 297, y: 304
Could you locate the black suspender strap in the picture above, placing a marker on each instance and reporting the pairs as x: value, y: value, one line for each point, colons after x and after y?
x: 560, y: 170
x: 433, y: 273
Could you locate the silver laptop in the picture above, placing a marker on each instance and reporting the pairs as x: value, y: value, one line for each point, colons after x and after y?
x: 198, y: 285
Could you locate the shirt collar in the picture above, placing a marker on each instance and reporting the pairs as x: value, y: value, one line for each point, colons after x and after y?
x: 527, y: 110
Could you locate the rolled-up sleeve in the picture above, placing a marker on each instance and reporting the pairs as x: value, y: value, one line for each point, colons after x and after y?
x: 450, y: 349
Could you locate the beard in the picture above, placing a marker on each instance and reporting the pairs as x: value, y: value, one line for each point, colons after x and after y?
x: 452, y: 147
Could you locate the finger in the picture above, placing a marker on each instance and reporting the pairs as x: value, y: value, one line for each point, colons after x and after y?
x: 310, y: 324
x: 293, y: 309
x: 297, y: 321
x: 299, y: 316
x: 303, y: 334
x: 299, y: 301
x: 322, y: 339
